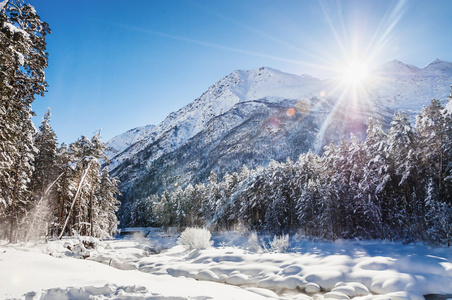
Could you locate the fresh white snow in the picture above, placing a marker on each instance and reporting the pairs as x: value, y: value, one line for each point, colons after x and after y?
x: 232, y: 269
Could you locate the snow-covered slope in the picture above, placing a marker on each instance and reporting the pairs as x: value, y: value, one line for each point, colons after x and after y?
x: 404, y: 87
x: 244, y: 119
x: 121, y: 142
x: 239, y: 86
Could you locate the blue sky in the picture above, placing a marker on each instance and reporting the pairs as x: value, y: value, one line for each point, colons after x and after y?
x: 115, y: 65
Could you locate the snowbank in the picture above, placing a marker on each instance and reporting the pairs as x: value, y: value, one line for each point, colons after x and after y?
x: 339, y: 270
x: 29, y: 274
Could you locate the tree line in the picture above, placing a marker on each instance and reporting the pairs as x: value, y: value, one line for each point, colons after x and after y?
x: 394, y: 185
x: 45, y: 190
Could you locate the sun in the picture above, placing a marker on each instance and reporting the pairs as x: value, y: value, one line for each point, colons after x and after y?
x: 355, y: 73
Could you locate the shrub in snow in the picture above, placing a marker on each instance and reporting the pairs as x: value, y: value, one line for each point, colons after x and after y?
x: 80, y: 251
x: 195, y: 238
x: 253, y: 242
x: 80, y: 248
x: 279, y: 243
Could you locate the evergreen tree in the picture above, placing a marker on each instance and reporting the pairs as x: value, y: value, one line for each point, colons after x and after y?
x: 212, y: 196
x: 402, y: 155
x: 65, y: 187
x: 82, y: 212
x: 45, y: 161
x: 431, y: 130
x: 375, y: 177
x: 22, y: 60
x: 447, y: 149
x: 45, y: 173
x: 20, y: 172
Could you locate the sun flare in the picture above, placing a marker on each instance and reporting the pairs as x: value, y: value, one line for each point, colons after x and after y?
x: 355, y: 72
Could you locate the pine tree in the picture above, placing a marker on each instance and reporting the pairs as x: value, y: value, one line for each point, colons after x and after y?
x: 402, y: 154
x: 196, y: 212
x: 45, y: 161
x: 22, y: 60
x: 430, y: 128
x: 105, y: 221
x: 44, y: 174
x: 375, y: 177
x: 81, y: 214
x: 65, y: 187
x: 209, y: 204
x: 447, y: 149
x: 21, y: 172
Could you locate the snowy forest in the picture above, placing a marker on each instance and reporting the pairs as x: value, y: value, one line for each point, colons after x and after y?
x: 45, y: 190
x: 395, y: 185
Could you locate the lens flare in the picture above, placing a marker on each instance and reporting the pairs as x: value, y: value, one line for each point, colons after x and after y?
x: 291, y: 112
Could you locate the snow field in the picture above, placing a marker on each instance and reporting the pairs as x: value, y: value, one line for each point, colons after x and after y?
x: 311, y: 270
x: 31, y: 273
x: 337, y: 270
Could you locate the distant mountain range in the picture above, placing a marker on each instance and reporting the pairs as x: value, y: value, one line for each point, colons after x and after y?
x: 251, y: 117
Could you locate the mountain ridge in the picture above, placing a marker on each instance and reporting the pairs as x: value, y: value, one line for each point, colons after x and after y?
x: 262, y: 97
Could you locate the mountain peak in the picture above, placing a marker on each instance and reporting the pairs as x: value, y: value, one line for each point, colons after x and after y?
x: 437, y: 61
x: 258, y: 72
x: 396, y: 66
x: 439, y: 64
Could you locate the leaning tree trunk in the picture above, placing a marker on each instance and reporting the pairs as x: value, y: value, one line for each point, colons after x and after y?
x: 75, y: 199
x: 39, y: 205
x: 91, y: 219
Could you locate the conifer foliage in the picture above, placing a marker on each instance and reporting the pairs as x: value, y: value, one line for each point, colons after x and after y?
x: 39, y: 181
x: 395, y: 185
x: 22, y: 63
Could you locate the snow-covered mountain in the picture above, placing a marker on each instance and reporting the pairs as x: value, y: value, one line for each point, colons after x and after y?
x: 404, y: 87
x: 250, y: 117
x: 239, y: 86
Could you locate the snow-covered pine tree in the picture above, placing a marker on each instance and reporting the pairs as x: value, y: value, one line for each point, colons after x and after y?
x: 249, y: 200
x: 22, y: 60
x: 45, y: 173
x: 178, y: 208
x: 188, y: 205
x: 280, y: 212
x: 430, y: 129
x: 338, y: 172
x: 105, y: 221
x: 309, y: 203
x: 197, y: 218
x: 20, y: 176
x: 438, y: 217
x: 226, y: 206
x: 362, y: 225
x: 163, y: 210
x: 375, y: 177
x: 398, y: 209
x: 447, y: 149
x: 212, y: 195
x: 45, y: 160
x: 86, y: 154
x: 65, y: 187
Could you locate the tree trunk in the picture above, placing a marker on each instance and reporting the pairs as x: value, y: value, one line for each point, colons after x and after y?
x: 91, y: 221
x: 75, y: 199
x: 38, y: 205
